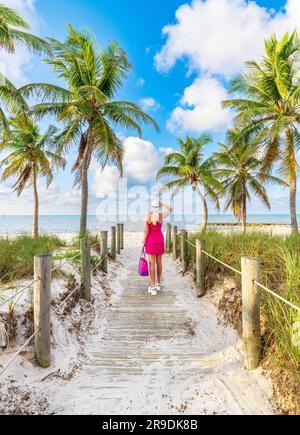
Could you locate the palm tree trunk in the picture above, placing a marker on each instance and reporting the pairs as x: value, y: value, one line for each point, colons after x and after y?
x: 35, y: 225
x: 293, y: 179
x: 84, y: 184
x: 205, y: 209
x: 293, y: 212
x: 244, y: 211
x: 84, y: 199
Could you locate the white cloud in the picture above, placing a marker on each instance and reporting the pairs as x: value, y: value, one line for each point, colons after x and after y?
x: 14, y: 65
x: 166, y: 151
x: 141, y: 160
x: 216, y: 38
x: 141, y: 163
x: 149, y: 103
x: 106, y: 181
x: 200, y: 108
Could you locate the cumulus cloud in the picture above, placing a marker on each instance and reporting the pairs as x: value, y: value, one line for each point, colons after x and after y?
x: 141, y: 160
x: 166, y: 151
x: 105, y: 181
x: 149, y: 103
x: 141, y: 163
x: 200, y: 108
x: 14, y: 66
x: 216, y: 38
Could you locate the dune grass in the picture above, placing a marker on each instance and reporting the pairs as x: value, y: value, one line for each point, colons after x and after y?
x: 16, y: 255
x: 94, y: 238
x: 280, y: 271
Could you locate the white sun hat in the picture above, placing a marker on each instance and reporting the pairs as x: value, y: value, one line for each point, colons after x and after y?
x: 155, y: 204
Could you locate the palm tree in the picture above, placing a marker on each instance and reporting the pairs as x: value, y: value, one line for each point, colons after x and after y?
x: 13, y: 32
x: 88, y: 107
x: 240, y: 171
x: 269, y: 108
x: 188, y: 167
x: 31, y: 155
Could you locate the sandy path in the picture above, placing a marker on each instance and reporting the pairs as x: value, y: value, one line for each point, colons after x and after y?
x: 161, y: 355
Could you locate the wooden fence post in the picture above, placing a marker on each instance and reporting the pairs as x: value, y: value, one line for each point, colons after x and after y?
x: 251, y: 296
x: 184, y: 251
x: 42, y: 301
x: 168, y: 239
x: 113, y: 243
x: 122, y: 236
x: 119, y: 238
x: 174, y: 242
x: 85, y: 247
x: 200, y: 267
x: 103, y: 250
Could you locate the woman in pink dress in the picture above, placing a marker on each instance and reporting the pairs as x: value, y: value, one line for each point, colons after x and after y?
x: 154, y: 243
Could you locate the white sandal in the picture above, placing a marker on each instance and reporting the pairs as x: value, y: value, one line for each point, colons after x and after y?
x: 152, y: 291
x: 158, y: 287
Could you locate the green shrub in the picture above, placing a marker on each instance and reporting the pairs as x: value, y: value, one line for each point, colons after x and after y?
x: 16, y: 255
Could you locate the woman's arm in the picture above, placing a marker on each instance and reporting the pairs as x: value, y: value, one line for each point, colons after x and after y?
x: 168, y: 212
x: 146, y: 232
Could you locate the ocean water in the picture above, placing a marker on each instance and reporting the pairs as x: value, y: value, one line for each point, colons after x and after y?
x: 70, y: 223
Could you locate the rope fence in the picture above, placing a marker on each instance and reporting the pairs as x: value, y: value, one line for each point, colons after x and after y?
x: 43, y: 282
x: 251, y: 288
x: 276, y: 295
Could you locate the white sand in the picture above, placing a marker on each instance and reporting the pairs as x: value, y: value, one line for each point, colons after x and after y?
x: 132, y: 353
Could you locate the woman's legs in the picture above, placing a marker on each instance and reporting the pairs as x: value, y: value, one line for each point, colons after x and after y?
x: 159, y: 267
x: 152, y: 269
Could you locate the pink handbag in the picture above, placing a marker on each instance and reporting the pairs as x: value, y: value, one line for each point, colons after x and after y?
x: 143, y: 264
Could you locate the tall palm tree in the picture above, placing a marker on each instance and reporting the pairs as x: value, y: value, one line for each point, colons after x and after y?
x: 240, y: 171
x: 87, y: 106
x: 13, y: 32
x: 188, y: 167
x: 31, y: 156
x: 269, y: 108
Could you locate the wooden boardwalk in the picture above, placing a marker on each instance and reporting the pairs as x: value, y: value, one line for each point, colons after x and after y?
x: 162, y: 354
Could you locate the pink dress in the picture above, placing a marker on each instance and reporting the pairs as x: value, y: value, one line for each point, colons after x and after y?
x: 155, y: 243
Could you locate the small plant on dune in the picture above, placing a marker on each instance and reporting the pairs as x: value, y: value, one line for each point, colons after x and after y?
x: 16, y: 255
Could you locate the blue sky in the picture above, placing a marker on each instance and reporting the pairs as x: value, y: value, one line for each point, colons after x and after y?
x: 179, y: 75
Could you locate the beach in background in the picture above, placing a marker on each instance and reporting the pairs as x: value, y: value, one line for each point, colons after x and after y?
x: 60, y: 224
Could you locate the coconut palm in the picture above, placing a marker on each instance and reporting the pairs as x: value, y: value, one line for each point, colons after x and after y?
x: 240, y: 171
x: 31, y: 156
x: 188, y: 167
x: 269, y: 108
x: 13, y: 32
x: 88, y: 106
